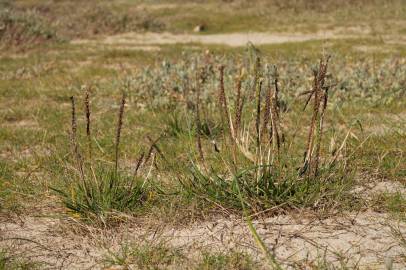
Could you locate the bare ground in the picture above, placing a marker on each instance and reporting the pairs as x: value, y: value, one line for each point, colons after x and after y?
x: 367, y: 239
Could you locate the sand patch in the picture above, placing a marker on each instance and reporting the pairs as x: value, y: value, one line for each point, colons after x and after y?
x: 366, y: 239
x: 370, y: 189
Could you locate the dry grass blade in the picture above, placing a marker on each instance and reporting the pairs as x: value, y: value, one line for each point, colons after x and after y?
x: 267, y: 111
x: 221, y: 93
x: 88, y: 121
x: 275, y: 128
x: 153, y: 146
x: 257, y: 68
x: 258, y: 113
x: 223, y: 103
x: 119, y: 128
x: 200, y: 78
x: 73, y: 120
x: 139, y: 164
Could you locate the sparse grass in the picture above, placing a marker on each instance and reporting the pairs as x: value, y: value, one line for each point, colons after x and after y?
x: 160, y: 256
x: 394, y: 203
x: 23, y: 29
x: 14, y: 262
x: 272, y: 192
x: 68, y: 20
x: 275, y: 15
x: 225, y: 261
x: 145, y: 257
x: 25, y: 24
x: 388, y: 154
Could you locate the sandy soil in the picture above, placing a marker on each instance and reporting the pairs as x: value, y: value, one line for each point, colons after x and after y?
x: 365, y: 239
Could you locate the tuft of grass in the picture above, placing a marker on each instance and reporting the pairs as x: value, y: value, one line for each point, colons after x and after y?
x: 97, y: 189
x: 281, y: 188
x: 157, y: 256
x: 161, y: 256
x: 257, y: 160
x: 104, y: 193
x: 225, y: 261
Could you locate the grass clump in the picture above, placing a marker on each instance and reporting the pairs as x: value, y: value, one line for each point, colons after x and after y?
x: 253, y: 155
x: 269, y: 190
x: 223, y: 261
x: 162, y: 256
x: 97, y: 189
x: 157, y: 256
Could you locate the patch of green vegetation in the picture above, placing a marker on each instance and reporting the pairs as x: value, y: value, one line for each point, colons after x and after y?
x: 225, y: 261
x: 271, y: 191
x: 384, y: 155
x: 93, y: 187
x: 6, y: 200
x: 29, y: 23
x: 13, y: 262
x: 276, y: 15
x: 161, y: 99
x: 146, y: 257
x: 23, y: 29
x: 394, y: 203
x: 160, y: 256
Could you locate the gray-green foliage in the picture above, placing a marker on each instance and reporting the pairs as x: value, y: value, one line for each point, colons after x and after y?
x: 23, y: 28
x: 365, y: 81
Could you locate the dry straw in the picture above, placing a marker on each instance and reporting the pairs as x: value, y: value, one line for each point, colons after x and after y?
x: 200, y: 79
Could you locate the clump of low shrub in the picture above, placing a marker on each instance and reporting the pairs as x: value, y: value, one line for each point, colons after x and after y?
x: 23, y: 29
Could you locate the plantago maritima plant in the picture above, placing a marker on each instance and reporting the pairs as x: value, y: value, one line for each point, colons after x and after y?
x: 100, y: 189
x: 260, y: 170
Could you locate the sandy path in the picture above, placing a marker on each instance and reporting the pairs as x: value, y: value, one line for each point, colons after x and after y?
x: 231, y: 39
x: 151, y: 41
